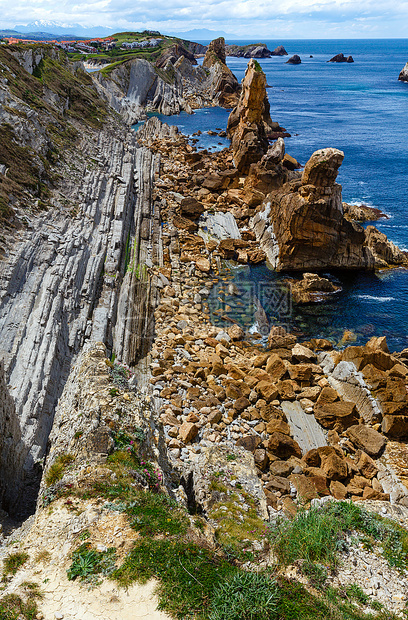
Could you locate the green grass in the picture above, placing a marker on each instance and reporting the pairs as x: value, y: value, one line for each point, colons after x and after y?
x: 13, y: 607
x: 14, y: 562
x: 58, y: 468
x: 318, y: 535
x: 296, y: 603
x: 155, y: 513
x: 187, y: 572
x: 245, y: 596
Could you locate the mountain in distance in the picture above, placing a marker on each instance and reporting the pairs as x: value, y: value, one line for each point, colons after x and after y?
x: 58, y: 28
x: 35, y: 36
x: 202, y: 34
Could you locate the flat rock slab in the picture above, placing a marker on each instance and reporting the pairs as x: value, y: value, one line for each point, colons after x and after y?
x: 305, y: 430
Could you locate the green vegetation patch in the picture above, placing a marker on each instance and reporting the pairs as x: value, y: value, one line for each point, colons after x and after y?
x: 90, y: 565
x: 318, y: 535
x: 187, y: 572
x: 236, y: 528
x: 296, y: 603
x: 245, y: 596
x: 13, y: 562
x: 13, y: 607
x: 58, y: 468
x: 83, y: 100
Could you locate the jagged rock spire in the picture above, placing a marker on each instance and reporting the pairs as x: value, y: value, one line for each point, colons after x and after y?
x: 250, y: 120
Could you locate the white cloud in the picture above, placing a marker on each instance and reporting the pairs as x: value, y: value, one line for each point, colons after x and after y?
x: 256, y: 18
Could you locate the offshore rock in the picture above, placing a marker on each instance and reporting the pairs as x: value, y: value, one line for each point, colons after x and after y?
x: 225, y: 85
x: 279, y: 51
x: 403, y: 76
x: 362, y: 213
x: 259, y: 50
x: 294, y: 60
x: 250, y: 120
x: 302, y: 225
x: 341, y: 58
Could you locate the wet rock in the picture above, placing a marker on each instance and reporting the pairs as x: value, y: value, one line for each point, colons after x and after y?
x: 312, y: 289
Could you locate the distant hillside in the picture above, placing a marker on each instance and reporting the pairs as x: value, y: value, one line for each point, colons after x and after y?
x: 38, y: 36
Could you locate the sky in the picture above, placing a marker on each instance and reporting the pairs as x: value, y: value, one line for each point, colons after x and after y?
x: 267, y: 19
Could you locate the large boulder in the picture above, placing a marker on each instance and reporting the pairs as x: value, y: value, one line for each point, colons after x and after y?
x: 367, y: 439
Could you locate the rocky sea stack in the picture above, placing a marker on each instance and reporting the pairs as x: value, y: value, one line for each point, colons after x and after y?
x: 294, y: 60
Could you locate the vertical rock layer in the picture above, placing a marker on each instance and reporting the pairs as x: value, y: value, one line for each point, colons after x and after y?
x: 62, y: 285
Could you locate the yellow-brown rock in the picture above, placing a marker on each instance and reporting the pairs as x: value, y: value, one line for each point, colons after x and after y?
x: 250, y: 119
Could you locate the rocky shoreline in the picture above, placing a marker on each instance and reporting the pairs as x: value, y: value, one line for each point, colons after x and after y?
x: 119, y: 359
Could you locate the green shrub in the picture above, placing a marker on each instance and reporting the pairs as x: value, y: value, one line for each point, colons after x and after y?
x: 87, y: 563
x: 245, y: 596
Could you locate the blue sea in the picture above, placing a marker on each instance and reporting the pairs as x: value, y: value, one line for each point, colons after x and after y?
x: 360, y: 108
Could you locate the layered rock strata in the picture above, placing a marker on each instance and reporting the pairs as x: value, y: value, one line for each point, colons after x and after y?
x: 66, y: 281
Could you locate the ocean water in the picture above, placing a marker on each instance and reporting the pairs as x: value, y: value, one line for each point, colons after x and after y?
x: 360, y: 108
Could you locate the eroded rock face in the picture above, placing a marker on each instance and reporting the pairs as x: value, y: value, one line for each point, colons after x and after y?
x: 241, y: 468
x: 173, y: 53
x: 249, y: 122
x: 302, y: 224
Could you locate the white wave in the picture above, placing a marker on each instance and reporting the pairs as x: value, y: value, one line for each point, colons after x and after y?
x: 374, y: 298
